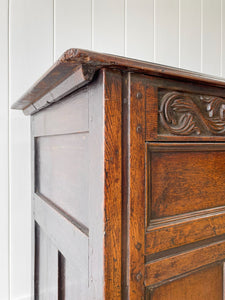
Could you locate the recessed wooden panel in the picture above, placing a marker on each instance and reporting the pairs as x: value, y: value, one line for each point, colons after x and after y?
x: 62, y: 173
x: 202, y: 285
x: 185, y: 178
x: 72, y: 280
x: 50, y: 121
x: 46, y: 265
x: 76, y: 282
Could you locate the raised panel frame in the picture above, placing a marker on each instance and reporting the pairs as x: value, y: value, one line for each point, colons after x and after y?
x: 181, y: 111
x: 194, y: 226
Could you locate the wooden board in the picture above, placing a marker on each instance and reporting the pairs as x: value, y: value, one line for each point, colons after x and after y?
x: 205, y: 284
x: 46, y: 285
x: 185, y: 178
x: 56, y: 168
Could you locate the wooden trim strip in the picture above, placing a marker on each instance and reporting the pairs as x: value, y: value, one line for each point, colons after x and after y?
x: 223, y: 281
x: 191, y: 231
x: 125, y: 184
x: 184, y: 147
x: 136, y: 186
x: 70, y: 219
x: 113, y: 184
x: 91, y: 62
x: 36, y: 260
x: 187, y: 217
x: 172, y: 266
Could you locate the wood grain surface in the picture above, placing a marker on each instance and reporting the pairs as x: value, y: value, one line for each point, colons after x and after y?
x: 136, y: 186
x: 183, y: 181
x: 83, y: 64
x: 182, y: 262
x: 128, y: 180
x: 113, y: 184
x: 205, y: 284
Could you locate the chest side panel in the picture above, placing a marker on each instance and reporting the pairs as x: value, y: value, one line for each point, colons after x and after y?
x: 68, y: 196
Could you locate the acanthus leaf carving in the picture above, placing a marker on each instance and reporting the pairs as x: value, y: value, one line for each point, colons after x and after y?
x: 183, y: 114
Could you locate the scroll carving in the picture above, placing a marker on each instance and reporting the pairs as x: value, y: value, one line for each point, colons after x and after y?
x: 189, y: 114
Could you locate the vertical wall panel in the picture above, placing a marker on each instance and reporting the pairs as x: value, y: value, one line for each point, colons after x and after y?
x: 108, y: 26
x: 31, y: 53
x: 223, y: 38
x: 72, y: 25
x: 190, y: 34
x: 4, y: 275
x: 167, y: 32
x: 140, y: 29
x: 211, y: 43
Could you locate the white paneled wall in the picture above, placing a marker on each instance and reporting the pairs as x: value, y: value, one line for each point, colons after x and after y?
x: 166, y: 29
x: 211, y: 37
x: 30, y: 54
x: 72, y: 25
x: 4, y: 249
x: 108, y: 21
x: 222, y: 56
x: 139, y: 20
x: 183, y: 33
x: 190, y: 34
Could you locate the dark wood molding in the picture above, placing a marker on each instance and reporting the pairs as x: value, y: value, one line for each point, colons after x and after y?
x: 162, y: 270
x: 76, y: 68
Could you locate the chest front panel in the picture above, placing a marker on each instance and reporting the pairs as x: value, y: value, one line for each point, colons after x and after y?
x: 184, y: 199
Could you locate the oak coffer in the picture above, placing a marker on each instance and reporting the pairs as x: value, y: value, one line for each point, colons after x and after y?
x: 128, y: 161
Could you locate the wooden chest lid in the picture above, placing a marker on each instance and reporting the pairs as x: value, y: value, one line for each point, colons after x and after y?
x: 76, y: 67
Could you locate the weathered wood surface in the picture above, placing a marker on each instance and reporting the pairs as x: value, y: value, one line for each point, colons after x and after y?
x: 128, y: 180
x: 113, y: 184
x: 76, y: 67
x: 206, y: 284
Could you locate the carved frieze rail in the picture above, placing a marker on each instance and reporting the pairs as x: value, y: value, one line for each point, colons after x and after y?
x: 185, y: 114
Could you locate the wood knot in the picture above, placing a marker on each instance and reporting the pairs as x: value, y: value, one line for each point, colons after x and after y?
x: 139, y: 129
x: 139, y: 95
x: 138, y: 276
x: 138, y: 246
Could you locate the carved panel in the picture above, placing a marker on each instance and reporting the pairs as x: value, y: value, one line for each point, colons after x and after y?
x: 183, y: 114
